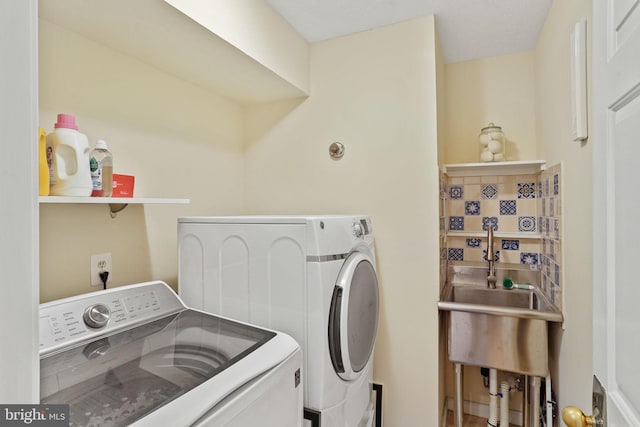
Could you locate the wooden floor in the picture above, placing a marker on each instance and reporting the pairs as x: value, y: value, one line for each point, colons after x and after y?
x: 468, y: 420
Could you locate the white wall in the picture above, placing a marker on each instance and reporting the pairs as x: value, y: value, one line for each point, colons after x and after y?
x: 572, y: 347
x: 178, y: 139
x: 19, y: 373
x: 376, y: 93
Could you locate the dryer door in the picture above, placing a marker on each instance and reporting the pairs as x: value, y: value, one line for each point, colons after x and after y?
x: 353, y: 318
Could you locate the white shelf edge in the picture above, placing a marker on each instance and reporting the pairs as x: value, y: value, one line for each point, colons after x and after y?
x: 525, y: 167
x: 111, y: 200
x: 496, y: 234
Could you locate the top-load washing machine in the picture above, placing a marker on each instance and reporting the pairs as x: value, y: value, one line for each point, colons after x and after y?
x: 136, y: 355
x: 312, y: 277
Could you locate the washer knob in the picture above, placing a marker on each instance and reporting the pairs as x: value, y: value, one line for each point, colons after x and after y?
x: 357, y: 229
x: 96, y: 316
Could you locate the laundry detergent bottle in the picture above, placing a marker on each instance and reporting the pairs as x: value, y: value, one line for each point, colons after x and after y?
x: 70, y: 173
x: 43, y: 164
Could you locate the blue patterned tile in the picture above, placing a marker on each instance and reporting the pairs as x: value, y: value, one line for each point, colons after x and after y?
x: 507, y: 207
x: 546, y: 187
x: 511, y: 245
x: 456, y: 223
x: 474, y: 243
x: 527, y: 190
x: 527, y: 223
x: 496, y: 255
x: 455, y: 254
x: 456, y: 192
x: 547, y: 267
x: 556, y: 229
x: 529, y: 258
x: 547, y: 228
x: 472, y: 207
x: 544, y: 207
x: 488, y: 221
x: 540, y: 188
x: 489, y: 191
x: 552, y: 250
x: 557, y: 274
x: 556, y: 184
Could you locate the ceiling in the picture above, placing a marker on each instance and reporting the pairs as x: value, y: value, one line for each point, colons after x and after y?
x: 468, y: 29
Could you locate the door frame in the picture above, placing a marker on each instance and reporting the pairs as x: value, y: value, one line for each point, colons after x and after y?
x: 19, y: 368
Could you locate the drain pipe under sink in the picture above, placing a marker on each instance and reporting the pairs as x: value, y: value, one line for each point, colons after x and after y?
x: 504, y: 404
x: 493, y: 398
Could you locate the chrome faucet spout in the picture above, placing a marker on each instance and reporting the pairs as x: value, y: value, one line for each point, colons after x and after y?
x: 490, y: 258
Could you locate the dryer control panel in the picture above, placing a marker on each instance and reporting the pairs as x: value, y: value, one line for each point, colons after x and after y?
x: 362, y: 227
x: 75, y: 319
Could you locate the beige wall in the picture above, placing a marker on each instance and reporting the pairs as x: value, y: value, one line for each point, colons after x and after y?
x: 499, y: 90
x: 572, y: 346
x: 255, y: 29
x: 177, y: 139
x: 376, y: 93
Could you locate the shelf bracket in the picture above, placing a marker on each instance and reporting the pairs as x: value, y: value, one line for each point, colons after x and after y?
x: 114, y: 208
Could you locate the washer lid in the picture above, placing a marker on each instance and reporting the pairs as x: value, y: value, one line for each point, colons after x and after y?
x: 120, y: 378
x: 353, y: 317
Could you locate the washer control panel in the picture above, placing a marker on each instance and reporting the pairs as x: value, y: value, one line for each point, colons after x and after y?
x: 96, y: 316
x: 74, y: 319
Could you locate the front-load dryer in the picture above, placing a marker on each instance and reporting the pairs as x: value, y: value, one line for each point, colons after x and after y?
x: 312, y: 277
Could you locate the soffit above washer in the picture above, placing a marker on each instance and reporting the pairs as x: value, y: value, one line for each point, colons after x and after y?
x: 468, y: 29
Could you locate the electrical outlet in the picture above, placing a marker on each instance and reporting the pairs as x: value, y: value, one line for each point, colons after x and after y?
x: 100, y: 263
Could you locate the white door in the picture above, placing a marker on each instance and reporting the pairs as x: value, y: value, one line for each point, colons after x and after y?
x: 616, y: 152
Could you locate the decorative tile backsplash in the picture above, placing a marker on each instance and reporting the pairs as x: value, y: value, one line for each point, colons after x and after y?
x: 506, y: 203
x: 526, y: 206
x: 550, y: 219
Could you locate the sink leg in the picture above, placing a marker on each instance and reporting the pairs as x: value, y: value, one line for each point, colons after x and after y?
x: 535, y: 400
x: 457, y: 413
x: 526, y: 418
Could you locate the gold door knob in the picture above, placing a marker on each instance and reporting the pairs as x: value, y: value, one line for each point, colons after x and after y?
x: 574, y: 417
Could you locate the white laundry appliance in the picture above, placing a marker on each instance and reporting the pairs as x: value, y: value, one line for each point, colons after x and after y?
x: 136, y: 355
x: 312, y: 277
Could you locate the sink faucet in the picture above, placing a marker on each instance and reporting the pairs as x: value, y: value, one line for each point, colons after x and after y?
x: 490, y: 258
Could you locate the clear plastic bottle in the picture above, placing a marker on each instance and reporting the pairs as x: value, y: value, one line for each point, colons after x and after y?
x: 101, y: 165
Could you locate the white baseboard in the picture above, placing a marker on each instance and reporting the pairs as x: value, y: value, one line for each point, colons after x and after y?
x: 482, y: 410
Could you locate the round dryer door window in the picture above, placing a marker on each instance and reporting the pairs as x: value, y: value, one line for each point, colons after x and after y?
x: 353, y: 318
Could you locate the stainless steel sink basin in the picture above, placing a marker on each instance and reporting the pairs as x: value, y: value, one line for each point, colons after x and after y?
x: 526, y: 304
x: 497, y: 328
